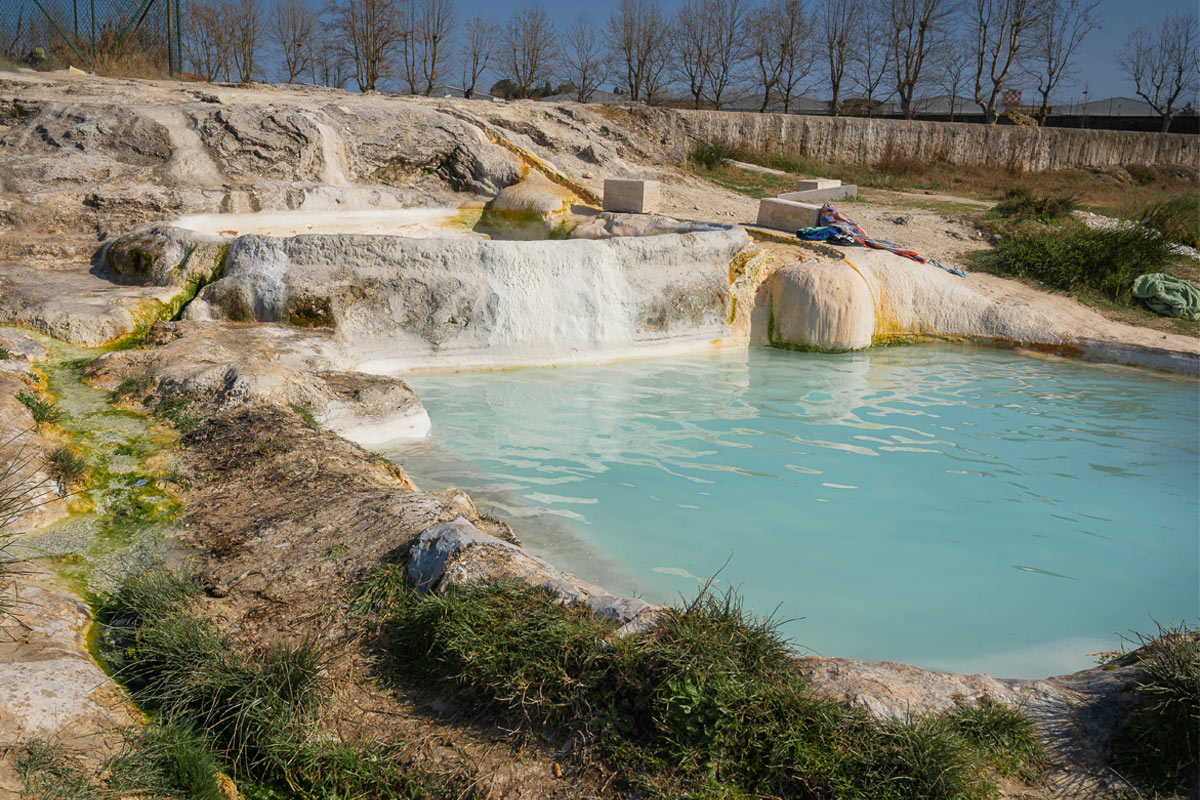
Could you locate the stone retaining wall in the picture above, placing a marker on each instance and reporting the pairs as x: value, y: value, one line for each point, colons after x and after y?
x: 868, y: 142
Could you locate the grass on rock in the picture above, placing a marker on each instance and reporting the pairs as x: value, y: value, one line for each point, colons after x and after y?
x: 254, y: 710
x: 65, y: 466
x: 706, y: 705
x: 41, y: 410
x: 1161, y: 746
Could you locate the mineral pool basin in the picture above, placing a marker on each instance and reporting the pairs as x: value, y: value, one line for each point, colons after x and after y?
x: 959, y: 509
x: 425, y: 223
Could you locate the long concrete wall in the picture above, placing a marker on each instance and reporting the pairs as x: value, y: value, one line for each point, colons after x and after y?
x: 867, y: 142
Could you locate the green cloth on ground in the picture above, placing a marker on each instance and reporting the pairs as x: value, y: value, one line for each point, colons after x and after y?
x: 1167, y: 296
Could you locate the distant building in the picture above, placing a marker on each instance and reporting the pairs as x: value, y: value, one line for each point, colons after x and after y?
x: 946, y: 105
x: 1110, y: 107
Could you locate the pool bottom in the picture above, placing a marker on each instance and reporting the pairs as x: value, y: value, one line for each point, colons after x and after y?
x: 955, y: 508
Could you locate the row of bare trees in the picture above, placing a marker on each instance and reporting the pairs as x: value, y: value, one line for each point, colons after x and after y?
x: 858, y: 53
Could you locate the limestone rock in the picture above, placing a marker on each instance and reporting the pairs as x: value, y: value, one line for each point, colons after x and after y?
x: 399, y: 302
x: 227, y: 365
x: 161, y: 255
x: 530, y: 209
x: 873, y: 295
x: 49, y: 685
x: 818, y: 305
x: 457, y: 553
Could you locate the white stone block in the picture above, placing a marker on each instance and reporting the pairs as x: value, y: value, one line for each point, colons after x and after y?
x: 786, y: 215
x: 632, y: 196
x: 817, y: 183
x: 848, y: 191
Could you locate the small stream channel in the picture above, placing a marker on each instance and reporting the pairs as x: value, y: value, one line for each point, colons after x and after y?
x: 122, y: 516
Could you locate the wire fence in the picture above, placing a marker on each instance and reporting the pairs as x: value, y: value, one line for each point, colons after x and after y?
x: 137, y: 36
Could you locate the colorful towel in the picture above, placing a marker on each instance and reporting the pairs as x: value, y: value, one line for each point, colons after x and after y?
x: 834, y: 227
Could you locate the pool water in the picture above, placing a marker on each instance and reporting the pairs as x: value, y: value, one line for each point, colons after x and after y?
x: 956, y: 508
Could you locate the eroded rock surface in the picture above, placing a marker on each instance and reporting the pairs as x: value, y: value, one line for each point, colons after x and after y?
x: 873, y: 295
x: 402, y: 302
x: 226, y: 365
x: 49, y: 686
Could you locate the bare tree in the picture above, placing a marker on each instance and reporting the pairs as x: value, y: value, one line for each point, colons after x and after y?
x: 640, y: 41
x: 245, y: 25
x: 329, y: 65
x: 724, y: 20
x: 1163, y: 64
x: 294, y: 27
x: 872, y: 58
x: 206, y: 40
x: 913, y: 28
x: 1056, y: 38
x: 369, y: 31
x: 999, y: 33
x: 529, y: 48
x: 838, y: 30
x: 584, y: 58
x: 763, y: 49
x: 796, y: 33
x: 479, y: 45
x: 692, y: 49
x: 951, y: 68
x: 436, y: 21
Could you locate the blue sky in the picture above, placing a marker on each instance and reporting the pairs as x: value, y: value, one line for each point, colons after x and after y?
x: 1097, y: 63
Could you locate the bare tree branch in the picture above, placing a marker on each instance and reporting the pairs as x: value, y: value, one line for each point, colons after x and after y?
x: 479, y: 47
x: 584, y: 59
x: 1163, y: 64
x: 529, y: 48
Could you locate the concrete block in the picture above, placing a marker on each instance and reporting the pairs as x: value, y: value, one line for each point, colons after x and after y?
x: 817, y: 183
x: 849, y: 191
x: 632, y: 196
x: 786, y: 215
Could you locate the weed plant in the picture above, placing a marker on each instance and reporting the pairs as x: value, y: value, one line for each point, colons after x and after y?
x: 41, y: 410
x: 1022, y: 203
x: 1078, y: 259
x: 1161, y: 746
x: 66, y: 467
x: 707, y: 704
x: 5, y: 354
x: 1177, y: 218
x: 304, y: 414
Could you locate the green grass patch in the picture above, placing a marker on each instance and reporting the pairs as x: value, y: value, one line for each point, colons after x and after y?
x: 134, y: 388
x: 1177, y: 218
x: 5, y: 354
x: 1022, y: 203
x: 1161, y: 746
x: 706, y: 705
x: 41, y: 410
x: 304, y: 414
x: 255, y: 710
x: 1075, y: 258
x: 179, y: 410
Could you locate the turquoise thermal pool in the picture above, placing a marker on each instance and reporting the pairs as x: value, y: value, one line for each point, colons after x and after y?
x: 950, y: 507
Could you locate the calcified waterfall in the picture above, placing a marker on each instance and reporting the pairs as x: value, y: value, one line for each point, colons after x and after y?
x: 551, y: 304
x: 398, y: 302
x: 333, y: 155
